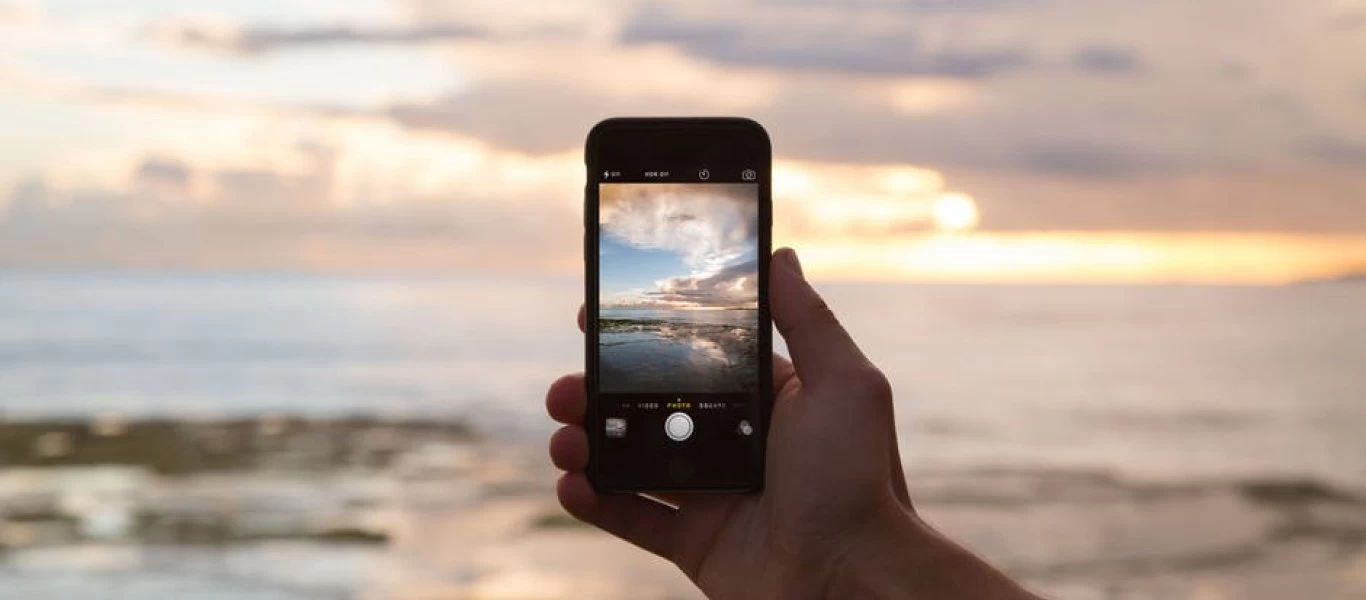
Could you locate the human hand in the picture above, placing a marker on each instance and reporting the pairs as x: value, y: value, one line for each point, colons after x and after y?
x: 835, y: 517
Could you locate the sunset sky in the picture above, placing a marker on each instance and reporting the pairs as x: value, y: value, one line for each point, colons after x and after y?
x: 682, y: 246
x: 959, y: 140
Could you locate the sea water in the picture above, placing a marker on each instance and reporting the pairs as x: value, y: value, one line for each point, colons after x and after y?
x: 1168, y: 381
x: 1200, y: 385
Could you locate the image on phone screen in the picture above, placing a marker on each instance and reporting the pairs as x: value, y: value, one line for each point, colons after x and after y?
x: 678, y: 294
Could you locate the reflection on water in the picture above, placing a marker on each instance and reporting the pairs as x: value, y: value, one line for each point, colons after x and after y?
x: 678, y: 351
x: 710, y: 350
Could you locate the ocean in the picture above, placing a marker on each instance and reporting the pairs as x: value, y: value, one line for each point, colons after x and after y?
x: 1098, y: 441
x: 1153, y: 381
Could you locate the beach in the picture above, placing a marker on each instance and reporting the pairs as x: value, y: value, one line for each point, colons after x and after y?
x: 426, y: 511
x: 291, y: 437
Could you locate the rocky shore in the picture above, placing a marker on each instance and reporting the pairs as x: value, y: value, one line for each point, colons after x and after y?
x: 179, y: 447
x: 357, y: 508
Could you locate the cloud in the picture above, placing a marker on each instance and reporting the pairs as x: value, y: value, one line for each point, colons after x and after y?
x: 888, y: 50
x: 20, y: 12
x: 1209, y: 137
x: 1107, y: 60
x: 512, y: 114
x: 814, y: 121
x: 1348, y: 21
x: 709, y: 225
x: 909, y: 7
x: 735, y: 286
x: 259, y: 40
x: 1317, y: 200
x: 1233, y: 70
x: 833, y: 80
x: 1090, y: 159
x: 1130, y: 126
x: 1338, y: 150
x: 1096, y: 140
x: 162, y: 169
x: 317, y: 206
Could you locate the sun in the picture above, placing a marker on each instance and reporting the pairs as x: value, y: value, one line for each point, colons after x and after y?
x: 954, y: 212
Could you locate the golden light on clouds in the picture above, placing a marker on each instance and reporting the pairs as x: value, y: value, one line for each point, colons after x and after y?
x: 1083, y: 256
x: 857, y: 222
x: 910, y: 180
x: 834, y: 199
x: 414, y: 145
x: 925, y: 95
x: 907, y: 223
x: 955, y: 212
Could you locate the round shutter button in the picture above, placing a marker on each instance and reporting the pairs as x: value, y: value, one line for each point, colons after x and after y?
x: 678, y: 426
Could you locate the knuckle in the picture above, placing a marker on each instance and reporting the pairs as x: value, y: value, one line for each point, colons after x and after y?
x: 871, y: 383
x: 861, y: 383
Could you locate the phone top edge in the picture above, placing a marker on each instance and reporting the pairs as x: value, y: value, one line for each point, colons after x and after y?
x: 647, y: 123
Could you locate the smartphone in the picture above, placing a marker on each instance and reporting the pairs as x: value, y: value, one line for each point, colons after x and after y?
x: 677, y: 220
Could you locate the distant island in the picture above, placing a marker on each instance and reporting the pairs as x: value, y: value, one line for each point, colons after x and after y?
x: 1352, y: 276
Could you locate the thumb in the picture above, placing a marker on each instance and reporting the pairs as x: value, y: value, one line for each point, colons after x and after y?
x: 820, y: 346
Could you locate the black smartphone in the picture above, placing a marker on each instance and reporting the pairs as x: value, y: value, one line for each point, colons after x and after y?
x: 677, y: 220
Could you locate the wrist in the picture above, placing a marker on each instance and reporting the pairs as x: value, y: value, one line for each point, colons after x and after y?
x: 876, y: 561
x: 838, y: 565
x: 905, y: 558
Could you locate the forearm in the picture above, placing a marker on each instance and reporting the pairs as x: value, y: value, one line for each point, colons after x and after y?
x: 907, y: 559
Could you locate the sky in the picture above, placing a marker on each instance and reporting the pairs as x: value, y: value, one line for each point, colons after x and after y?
x: 678, y: 246
x: 915, y: 140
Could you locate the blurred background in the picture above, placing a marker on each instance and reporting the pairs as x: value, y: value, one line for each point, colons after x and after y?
x: 282, y: 282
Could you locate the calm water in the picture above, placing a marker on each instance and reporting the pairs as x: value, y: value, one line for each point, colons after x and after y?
x: 1167, y: 382
x: 688, y: 351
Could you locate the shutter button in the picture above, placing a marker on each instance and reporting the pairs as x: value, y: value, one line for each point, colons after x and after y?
x: 678, y: 426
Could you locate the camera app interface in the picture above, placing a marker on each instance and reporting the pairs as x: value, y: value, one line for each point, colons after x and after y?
x: 678, y: 340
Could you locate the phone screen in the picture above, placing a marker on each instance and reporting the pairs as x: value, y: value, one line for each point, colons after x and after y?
x: 680, y: 329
